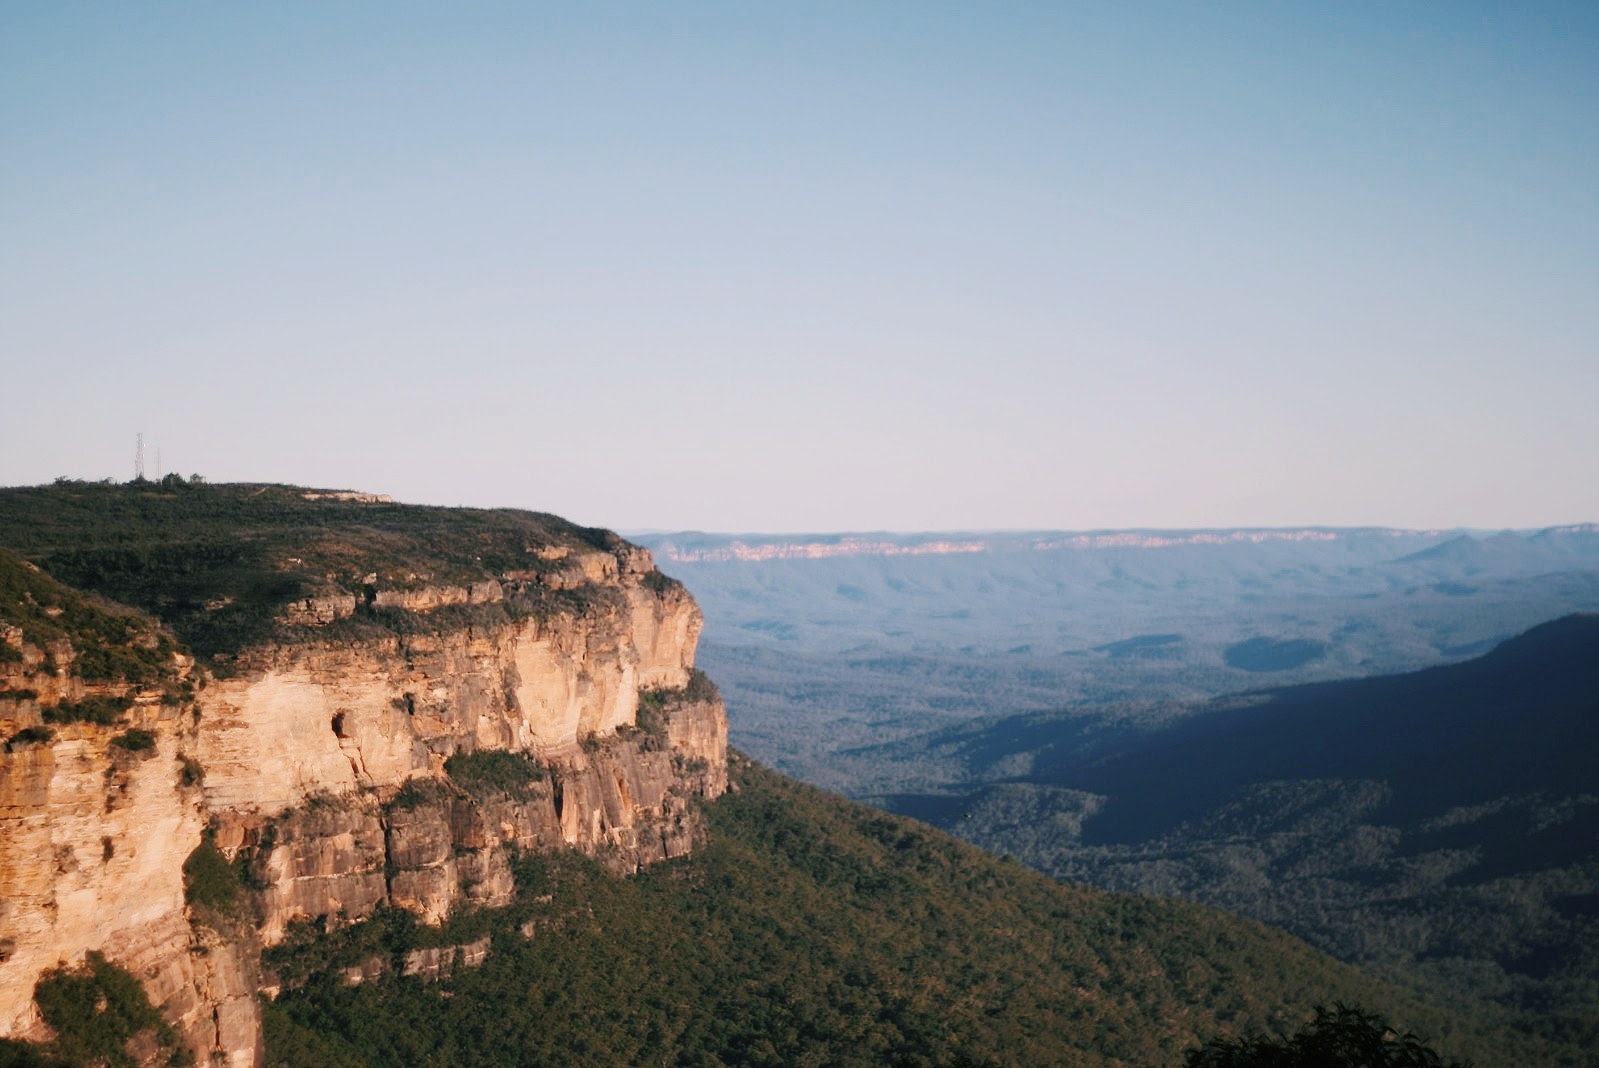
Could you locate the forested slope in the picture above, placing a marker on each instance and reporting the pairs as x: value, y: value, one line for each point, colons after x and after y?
x: 817, y: 931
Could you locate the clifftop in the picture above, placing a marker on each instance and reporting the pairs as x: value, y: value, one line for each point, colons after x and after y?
x: 236, y: 566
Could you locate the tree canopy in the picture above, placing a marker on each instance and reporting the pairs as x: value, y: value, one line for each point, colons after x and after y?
x: 1341, y: 1037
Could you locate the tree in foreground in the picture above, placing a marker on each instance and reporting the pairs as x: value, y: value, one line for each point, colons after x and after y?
x: 1340, y: 1037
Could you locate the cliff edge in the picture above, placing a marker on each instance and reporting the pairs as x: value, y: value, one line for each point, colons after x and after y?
x: 339, y: 703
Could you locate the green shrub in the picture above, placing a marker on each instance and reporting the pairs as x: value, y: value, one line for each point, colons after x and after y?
x: 191, y: 772
x: 135, y: 741
x: 314, y: 947
x: 416, y: 793
x: 15, y: 1053
x: 700, y: 687
x: 103, y: 711
x: 210, y: 880
x: 1341, y: 1037
x: 292, y: 1043
x: 660, y: 582
x: 95, y: 1010
x: 130, y: 662
x: 651, y: 716
x: 30, y: 736
x: 493, y: 771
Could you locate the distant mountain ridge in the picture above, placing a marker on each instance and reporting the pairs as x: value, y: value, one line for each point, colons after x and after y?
x: 1506, y: 550
x: 695, y: 547
x: 1522, y: 718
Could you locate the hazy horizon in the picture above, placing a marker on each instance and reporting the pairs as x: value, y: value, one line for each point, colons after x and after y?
x: 819, y: 268
x: 647, y: 532
x: 1017, y: 531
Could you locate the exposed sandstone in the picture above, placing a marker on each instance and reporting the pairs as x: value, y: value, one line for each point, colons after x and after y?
x: 92, y: 845
x: 319, y: 611
x: 338, y: 717
x: 441, y: 962
x: 324, y: 859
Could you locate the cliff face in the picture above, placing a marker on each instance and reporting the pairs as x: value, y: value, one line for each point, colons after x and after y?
x: 92, y: 844
x: 319, y: 766
x: 336, y: 716
x: 626, y: 798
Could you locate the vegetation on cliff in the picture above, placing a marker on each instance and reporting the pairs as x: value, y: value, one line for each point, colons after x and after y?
x: 101, y: 643
x: 219, y: 564
x: 211, y: 881
x: 814, y: 930
x: 494, y: 772
x: 100, y: 1016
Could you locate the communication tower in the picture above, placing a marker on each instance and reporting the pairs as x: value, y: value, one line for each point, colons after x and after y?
x: 138, y: 458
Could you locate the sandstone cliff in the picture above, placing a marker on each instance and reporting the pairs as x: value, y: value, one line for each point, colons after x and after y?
x: 337, y: 761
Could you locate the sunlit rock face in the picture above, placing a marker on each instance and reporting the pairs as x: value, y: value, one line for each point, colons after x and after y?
x: 93, y: 839
x: 92, y: 844
x: 324, y: 777
x: 336, y: 717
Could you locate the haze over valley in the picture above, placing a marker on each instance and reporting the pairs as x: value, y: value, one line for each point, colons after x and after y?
x: 829, y: 642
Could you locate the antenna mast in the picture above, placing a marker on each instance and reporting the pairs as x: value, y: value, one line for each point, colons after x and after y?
x: 138, y: 459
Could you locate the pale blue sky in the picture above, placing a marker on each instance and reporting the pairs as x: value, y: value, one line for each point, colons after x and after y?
x: 815, y: 266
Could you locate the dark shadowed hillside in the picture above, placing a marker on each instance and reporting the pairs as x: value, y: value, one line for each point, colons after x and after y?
x: 1439, y: 828
x: 1522, y: 719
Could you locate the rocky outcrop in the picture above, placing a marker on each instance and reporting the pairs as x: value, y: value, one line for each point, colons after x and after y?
x: 321, y: 765
x: 326, y: 858
x: 696, y: 732
x: 627, y: 798
x: 441, y: 962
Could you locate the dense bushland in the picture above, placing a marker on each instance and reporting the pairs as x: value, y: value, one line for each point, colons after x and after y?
x: 106, y: 643
x: 218, y: 563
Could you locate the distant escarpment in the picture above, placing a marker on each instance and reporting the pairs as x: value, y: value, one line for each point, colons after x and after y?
x: 230, y: 712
